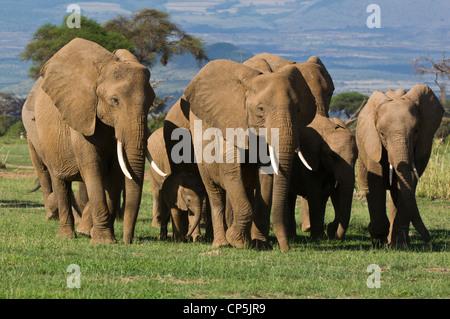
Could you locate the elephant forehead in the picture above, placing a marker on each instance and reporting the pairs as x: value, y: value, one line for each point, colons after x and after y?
x: 273, y: 87
x: 398, y: 109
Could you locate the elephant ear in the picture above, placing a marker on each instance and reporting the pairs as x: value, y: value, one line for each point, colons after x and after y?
x: 217, y: 94
x: 366, y: 126
x: 125, y: 56
x: 310, y: 144
x: 430, y: 112
x: 70, y: 79
x: 181, y: 204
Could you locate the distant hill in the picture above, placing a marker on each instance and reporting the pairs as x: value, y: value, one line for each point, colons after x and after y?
x: 181, y: 69
x: 176, y: 75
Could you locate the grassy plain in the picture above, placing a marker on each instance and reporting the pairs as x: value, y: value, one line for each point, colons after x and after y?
x: 33, y: 262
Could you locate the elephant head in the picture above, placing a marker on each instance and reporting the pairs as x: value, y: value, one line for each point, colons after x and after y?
x: 93, y: 89
x: 185, y: 192
x: 226, y: 94
x: 316, y: 83
x: 396, y: 130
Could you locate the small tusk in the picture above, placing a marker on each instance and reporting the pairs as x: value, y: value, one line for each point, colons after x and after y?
x: 122, y: 164
x: 336, y: 184
x: 273, y: 161
x: 300, y: 155
x: 154, y: 166
x: 390, y: 173
x: 415, y: 172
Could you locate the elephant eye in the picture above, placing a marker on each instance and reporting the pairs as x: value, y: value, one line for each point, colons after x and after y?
x: 115, y: 101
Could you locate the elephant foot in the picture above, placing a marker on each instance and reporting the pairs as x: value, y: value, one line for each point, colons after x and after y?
x: 335, y: 231
x: 217, y: 243
x: 84, y: 229
x: 399, y: 239
x: 66, y: 232
x: 379, y: 242
x: 51, y: 215
x: 261, y: 245
x: 102, y: 236
x: 237, y: 238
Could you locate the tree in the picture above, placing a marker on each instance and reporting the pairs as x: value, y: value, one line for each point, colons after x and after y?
x: 49, y: 38
x: 440, y: 69
x: 349, y: 102
x: 153, y: 34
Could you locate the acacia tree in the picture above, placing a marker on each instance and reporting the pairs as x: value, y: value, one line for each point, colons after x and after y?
x: 49, y: 38
x: 440, y: 69
x: 147, y: 33
x: 153, y: 34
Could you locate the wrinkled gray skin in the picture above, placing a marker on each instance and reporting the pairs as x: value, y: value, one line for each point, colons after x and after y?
x: 396, y: 129
x: 330, y: 149
x: 183, y: 200
x: 89, y: 100
x: 38, y: 160
x: 159, y: 161
x: 315, y: 90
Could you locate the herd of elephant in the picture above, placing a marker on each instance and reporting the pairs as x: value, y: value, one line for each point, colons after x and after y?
x: 86, y: 122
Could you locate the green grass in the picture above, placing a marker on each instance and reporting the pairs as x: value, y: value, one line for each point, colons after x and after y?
x: 33, y: 262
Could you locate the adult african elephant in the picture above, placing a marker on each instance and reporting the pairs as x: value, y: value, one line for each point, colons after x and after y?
x: 91, y: 106
x: 228, y: 95
x: 315, y: 90
x: 394, y: 135
x: 330, y: 150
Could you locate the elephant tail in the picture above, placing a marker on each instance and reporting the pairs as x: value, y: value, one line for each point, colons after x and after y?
x: 38, y: 185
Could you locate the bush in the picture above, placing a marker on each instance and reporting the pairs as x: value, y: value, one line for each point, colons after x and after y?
x: 347, y: 101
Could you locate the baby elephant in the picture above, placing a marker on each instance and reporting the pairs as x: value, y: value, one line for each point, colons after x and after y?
x: 183, y: 199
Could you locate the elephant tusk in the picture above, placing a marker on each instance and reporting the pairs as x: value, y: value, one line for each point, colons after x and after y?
x: 336, y: 184
x: 154, y: 166
x: 300, y: 155
x: 122, y: 164
x: 415, y: 172
x: 390, y: 173
x: 273, y: 161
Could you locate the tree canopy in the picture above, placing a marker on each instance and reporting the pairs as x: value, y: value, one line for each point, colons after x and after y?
x: 147, y: 33
x: 49, y: 38
x: 347, y: 101
x: 153, y: 34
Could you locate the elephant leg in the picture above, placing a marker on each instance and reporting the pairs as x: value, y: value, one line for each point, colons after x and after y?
x: 304, y: 210
x: 102, y: 230
x: 63, y: 192
x: 80, y: 202
x: 180, y: 224
x: 261, y: 220
x: 196, y: 234
x: 317, y: 215
x: 399, y: 221
x: 376, y: 201
x: 217, y: 202
x: 164, y: 220
x: 228, y: 213
x: 50, y: 202
x: 238, y: 235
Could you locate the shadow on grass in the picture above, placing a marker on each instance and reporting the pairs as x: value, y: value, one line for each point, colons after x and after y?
x: 4, y: 203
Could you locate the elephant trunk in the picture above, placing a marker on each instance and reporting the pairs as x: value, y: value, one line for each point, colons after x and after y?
x: 134, y: 144
x: 281, y: 180
x: 403, y: 166
x: 196, y: 221
x: 407, y: 187
x: 342, y: 197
